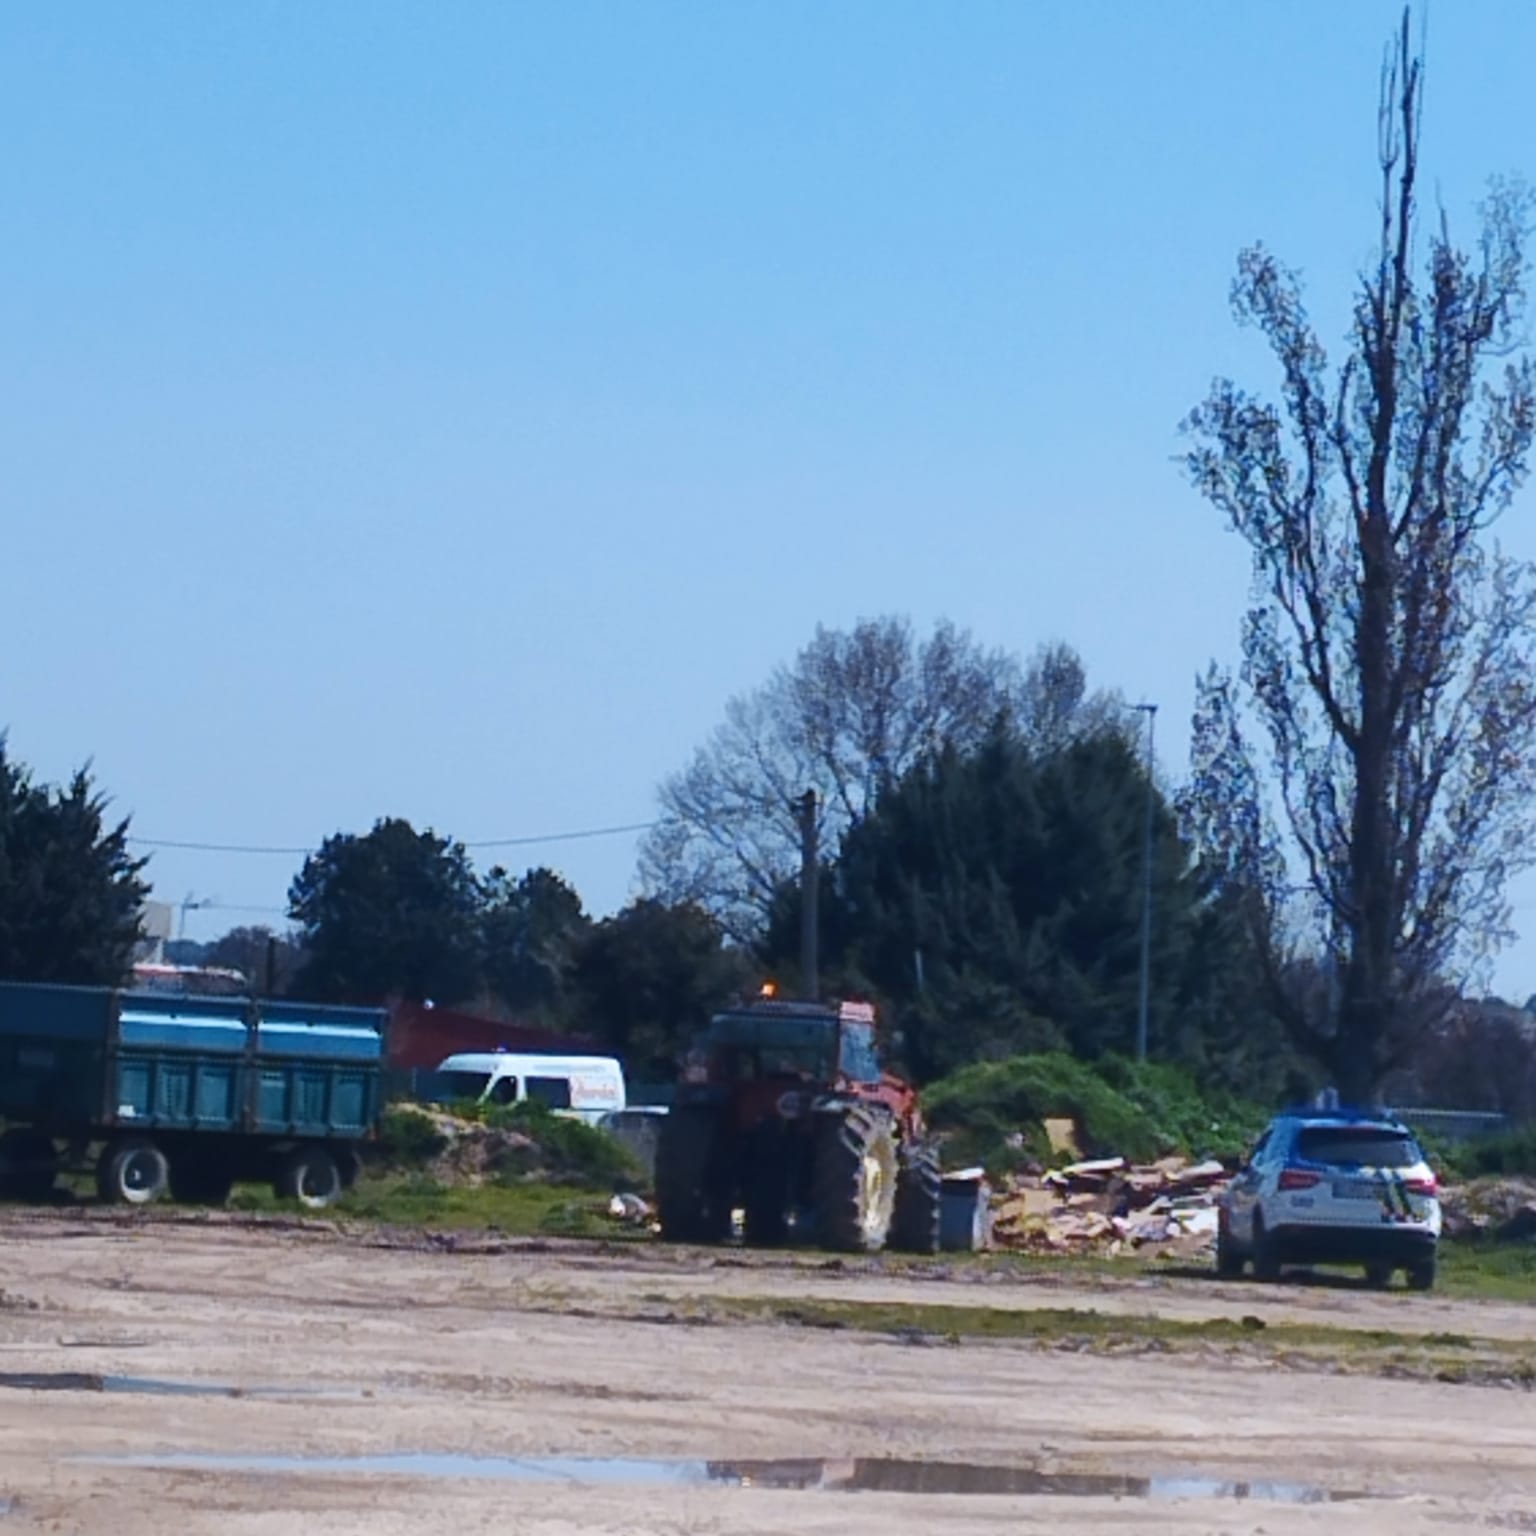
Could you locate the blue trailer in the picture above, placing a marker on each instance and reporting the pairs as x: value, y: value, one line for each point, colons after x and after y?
x: 184, y: 1095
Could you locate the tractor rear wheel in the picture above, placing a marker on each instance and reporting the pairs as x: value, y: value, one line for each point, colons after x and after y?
x: 766, y: 1197
x: 688, y: 1202
x: 919, y: 1194
x: 856, y: 1180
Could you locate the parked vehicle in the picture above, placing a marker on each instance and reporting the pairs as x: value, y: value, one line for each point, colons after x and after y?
x: 581, y: 1087
x: 1332, y: 1187
x: 156, y: 1093
x: 786, y: 1114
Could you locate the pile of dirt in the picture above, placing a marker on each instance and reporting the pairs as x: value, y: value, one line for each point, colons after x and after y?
x: 478, y: 1154
x: 427, y: 1140
x: 524, y: 1142
x: 1491, y: 1207
x: 1109, y: 1206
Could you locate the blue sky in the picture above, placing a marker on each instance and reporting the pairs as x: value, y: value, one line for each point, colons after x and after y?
x: 439, y: 411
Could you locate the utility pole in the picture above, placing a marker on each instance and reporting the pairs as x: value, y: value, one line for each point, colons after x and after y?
x: 190, y: 904
x: 1143, y: 1000
x: 809, y: 891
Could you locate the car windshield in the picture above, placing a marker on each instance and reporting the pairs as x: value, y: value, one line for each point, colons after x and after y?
x: 1357, y: 1146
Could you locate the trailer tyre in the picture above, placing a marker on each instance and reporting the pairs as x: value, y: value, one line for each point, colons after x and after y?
x: 132, y: 1172
x: 310, y: 1176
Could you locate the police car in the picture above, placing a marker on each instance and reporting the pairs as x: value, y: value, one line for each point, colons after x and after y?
x: 1332, y: 1186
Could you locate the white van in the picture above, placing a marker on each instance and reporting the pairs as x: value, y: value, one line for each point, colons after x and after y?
x: 583, y: 1087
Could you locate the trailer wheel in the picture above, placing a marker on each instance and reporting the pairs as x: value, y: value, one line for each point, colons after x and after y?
x: 132, y: 1172
x: 310, y: 1176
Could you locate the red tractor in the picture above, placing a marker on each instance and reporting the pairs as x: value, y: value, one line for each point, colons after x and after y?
x: 785, y: 1114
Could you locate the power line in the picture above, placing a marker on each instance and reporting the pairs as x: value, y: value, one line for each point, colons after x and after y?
x: 566, y: 837
x: 490, y: 842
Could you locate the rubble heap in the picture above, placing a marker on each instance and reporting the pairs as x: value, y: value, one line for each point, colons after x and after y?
x: 1108, y: 1206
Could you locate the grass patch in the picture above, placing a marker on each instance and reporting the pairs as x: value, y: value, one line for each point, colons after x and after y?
x: 1488, y: 1269
x: 1373, y: 1351
x: 512, y: 1208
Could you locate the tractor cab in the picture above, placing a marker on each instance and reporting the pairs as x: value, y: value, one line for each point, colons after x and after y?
x: 819, y: 1044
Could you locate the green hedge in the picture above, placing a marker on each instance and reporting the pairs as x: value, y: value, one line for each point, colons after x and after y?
x: 1510, y: 1152
x: 1121, y: 1108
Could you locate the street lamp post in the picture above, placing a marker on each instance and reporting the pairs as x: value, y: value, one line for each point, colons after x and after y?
x: 1143, y: 999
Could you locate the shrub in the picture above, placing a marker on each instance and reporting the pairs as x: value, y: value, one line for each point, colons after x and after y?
x: 994, y: 1111
x: 408, y: 1138
x: 1510, y: 1152
x: 571, y: 1149
x: 1203, y: 1122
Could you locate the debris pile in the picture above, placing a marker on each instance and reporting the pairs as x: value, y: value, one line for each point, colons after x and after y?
x: 1109, y: 1206
x: 1501, y: 1207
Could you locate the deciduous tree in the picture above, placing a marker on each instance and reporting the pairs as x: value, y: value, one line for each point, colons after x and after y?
x: 853, y: 712
x: 1387, y: 656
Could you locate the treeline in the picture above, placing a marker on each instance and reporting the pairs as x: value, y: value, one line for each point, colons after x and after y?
x: 984, y: 886
x: 983, y: 873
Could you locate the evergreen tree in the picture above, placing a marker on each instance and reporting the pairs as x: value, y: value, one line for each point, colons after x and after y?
x: 71, y: 896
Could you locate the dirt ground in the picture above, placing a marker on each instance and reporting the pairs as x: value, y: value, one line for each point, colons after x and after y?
x: 342, y: 1347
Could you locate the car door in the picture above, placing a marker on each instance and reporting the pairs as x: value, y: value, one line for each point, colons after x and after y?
x: 1243, y: 1192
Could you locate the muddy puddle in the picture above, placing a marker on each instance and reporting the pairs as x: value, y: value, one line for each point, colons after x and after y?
x: 874, y: 1475
x: 94, y: 1381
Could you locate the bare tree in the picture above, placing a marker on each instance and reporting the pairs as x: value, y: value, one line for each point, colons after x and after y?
x: 1388, y: 652
x: 854, y: 711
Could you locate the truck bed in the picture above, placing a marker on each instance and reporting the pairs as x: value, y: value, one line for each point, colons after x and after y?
x: 82, y: 1060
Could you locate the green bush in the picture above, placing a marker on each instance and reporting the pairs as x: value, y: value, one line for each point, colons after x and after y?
x: 1137, y: 1111
x: 1510, y: 1152
x: 1202, y: 1122
x: 571, y: 1149
x: 407, y: 1138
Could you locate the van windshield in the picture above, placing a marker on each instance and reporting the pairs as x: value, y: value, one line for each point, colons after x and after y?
x: 462, y: 1085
